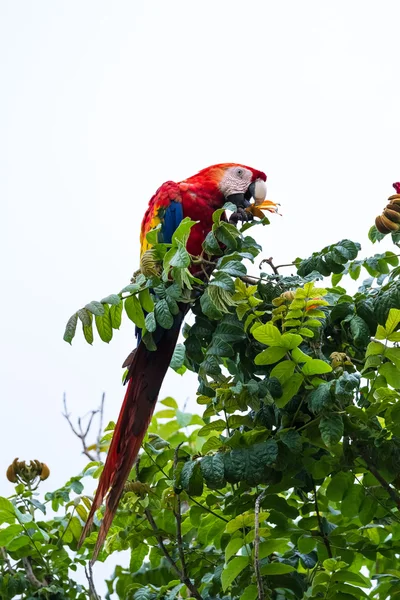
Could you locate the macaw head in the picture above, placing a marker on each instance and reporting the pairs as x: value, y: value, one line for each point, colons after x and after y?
x: 235, y: 183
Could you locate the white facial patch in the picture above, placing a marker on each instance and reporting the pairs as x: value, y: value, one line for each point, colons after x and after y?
x: 235, y: 181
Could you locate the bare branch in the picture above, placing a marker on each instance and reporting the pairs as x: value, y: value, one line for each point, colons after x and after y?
x: 89, y: 576
x: 275, y: 268
x: 31, y: 577
x: 81, y: 434
x: 321, y: 529
x: 260, y: 585
x: 6, y: 560
x: 100, y: 433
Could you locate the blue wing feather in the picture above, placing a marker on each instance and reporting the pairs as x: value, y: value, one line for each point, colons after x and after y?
x: 172, y: 218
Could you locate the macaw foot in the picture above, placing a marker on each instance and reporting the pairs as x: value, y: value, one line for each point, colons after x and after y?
x: 240, y: 215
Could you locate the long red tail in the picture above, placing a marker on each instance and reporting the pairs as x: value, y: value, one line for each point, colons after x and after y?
x: 146, y: 374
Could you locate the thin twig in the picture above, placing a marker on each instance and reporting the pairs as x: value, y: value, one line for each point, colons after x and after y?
x: 192, y: 589
x: 392, y: 493
x: 81, y: 434
x: 31, y: 577
x: 100, y: 433
x: 206, y: 508
x: 260, y: 586
x: 6, y: 560
x: 178, y: 519
x: 89, y: 576
x: 271, y: 264
x: 321, y: 530
x: 275, y: 268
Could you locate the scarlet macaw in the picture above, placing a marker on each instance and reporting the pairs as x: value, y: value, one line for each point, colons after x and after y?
x: 196, y: 197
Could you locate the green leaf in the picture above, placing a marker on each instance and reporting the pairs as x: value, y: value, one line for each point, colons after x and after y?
x: 178, y: 357
x: 391, y: 374
x: 103, y: 325
x: 374, y: 235
x: 208, y: 306
x: 85, y: 317
x: 211, y: 245
x: 138, y: 554
x: 374, y: 348
x: 331, y: 428
x: 392, y: 320
x: 316, y: 367
x: 150, y: 322
x: 360, y: 331
x: 234, y: 268
x: 212, y: 468
x: 320, y: 398
x: 224, y: 281
x: 233, y: 547
x: 268, y: 334
x: 96, y: 308
x: 232, y: 570
x: 116, y: 315
x: 270, y: 355
x: 351, y: 577
x: 368, y: 509
x: 276, y: 568
x: 250, y: 593
x: 218, y: 425
x: 292, y: 439
x: 112, y: 299
x: 181, y: 258
x: 182, y: 232
x: 88, y: 333
x: 227, y: 234
x: 134, y: 311
x: 163, y: 314
x: 146, y: 300
x: 9, y: 533
x: 171, y: 402
x: 191, y: 478
x: 352, y: 501
x: 70, y: 328
x: 290, y: 340
x: 338, y: 486
x: 290, y: 389
x: 283, y: 371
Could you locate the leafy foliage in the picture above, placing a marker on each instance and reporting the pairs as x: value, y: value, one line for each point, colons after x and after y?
x: 287, y: 486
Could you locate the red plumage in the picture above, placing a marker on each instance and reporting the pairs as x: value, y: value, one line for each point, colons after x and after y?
x: 200, y: 196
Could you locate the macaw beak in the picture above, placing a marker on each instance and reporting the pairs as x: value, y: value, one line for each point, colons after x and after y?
x: 240, y: 200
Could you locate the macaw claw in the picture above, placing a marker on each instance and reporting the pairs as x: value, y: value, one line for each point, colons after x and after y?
x: 240, y: 215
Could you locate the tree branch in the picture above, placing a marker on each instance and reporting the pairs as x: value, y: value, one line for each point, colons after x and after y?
x: 260, y: 585
x: 7, y: 561
x: 184, y: 579
x: 373, y: 470
x: 89, y: 576
x: 82, y: 435
x: 321, y: 530
x: 31, y: 577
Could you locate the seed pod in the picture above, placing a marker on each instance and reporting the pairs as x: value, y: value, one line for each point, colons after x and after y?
x: 395, y: 199
x: 392, y: 215
x: 45, y: 471
x: 149, y: 265
x: 10, y: 473
x: 384, y: 225
x: 395, y: 207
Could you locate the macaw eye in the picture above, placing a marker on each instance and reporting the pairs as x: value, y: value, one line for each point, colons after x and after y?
x: 239, y: 172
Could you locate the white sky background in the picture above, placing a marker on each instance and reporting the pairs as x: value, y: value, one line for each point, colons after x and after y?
x: 101, y: 102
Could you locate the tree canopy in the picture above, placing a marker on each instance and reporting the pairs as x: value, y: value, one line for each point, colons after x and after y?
x: 286, y: 483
